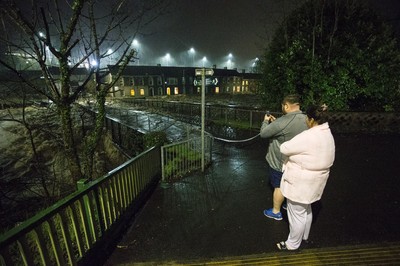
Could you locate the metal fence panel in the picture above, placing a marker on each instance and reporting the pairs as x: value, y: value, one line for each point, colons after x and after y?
x: 65, y: 232
x: 181, y: 158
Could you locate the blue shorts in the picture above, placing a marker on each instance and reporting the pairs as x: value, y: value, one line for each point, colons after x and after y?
x: 275, y: 178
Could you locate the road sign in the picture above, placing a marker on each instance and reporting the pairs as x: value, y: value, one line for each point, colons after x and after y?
x: 209, y: 72
x: 204, y: 71
x: 209, y: 81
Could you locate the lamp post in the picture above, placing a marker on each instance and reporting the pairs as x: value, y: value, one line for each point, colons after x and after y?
x: 167, y: 57
x: 109, y: 54
x: 204, y: 60
x: 230, y: 60
x: 192, y: 52
x: 136, y: 45
x: 203, y: 73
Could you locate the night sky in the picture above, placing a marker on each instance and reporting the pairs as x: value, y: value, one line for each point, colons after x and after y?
x: 215, y: 28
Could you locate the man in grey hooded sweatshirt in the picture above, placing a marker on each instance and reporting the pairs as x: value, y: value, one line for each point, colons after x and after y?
x: 279, y: 130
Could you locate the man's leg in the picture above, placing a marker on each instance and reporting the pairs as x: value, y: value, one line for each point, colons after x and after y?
x: 277, y: 199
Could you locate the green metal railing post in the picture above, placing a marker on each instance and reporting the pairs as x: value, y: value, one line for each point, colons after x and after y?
x: 81, y: 184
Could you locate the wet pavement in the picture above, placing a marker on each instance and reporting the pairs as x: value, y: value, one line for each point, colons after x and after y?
x: 219, y: 213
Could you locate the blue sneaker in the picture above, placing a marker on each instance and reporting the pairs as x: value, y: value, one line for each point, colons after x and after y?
x: 284, y: 206
x: 270, y: 214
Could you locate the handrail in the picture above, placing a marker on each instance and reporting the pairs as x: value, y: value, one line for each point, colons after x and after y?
x: 77, y: 227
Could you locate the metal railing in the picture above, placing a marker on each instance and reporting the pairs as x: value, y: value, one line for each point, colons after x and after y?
x: 236, y: 116
x: 78, y: 229
x: 190, y: 112
x: 178, y: 159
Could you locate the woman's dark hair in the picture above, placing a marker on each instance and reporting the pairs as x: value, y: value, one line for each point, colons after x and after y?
x: 318, y: 113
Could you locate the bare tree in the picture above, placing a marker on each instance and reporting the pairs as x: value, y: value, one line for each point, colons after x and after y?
x: 67, y: 35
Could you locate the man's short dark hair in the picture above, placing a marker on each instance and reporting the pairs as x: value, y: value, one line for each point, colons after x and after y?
x: 291, y: 99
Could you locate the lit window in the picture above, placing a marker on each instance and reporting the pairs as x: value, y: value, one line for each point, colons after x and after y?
x: 247, y: 82
x: 176, y: 90
x: 216, y: 89
x: 142, y: 92
x: 132, y: 92
x: 168, y: 91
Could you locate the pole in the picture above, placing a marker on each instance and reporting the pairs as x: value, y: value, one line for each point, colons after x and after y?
x: 203, y: 96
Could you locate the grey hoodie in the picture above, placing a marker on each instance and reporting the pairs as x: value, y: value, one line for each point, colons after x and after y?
x: 282, y: 129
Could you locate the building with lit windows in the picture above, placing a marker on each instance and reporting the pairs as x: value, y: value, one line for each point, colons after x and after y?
x: 144, y: 81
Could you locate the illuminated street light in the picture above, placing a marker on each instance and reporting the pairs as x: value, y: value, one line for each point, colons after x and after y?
x: 93, y: 63
x: 192, y: 52
x: 136, y: 45
x: 229, y: 63
x: 204, y: 60
x: 255, y: 62
x: 167, y: 57
x: 109, y: 54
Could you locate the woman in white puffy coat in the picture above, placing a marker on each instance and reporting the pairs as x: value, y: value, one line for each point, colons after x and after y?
x: 310, y: 155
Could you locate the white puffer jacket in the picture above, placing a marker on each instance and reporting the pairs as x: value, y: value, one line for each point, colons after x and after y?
x: 306, y: 170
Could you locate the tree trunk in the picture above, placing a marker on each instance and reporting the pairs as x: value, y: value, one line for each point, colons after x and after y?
x: 69, y: 142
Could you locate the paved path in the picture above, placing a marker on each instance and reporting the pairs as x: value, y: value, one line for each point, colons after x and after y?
x: 219, y: 213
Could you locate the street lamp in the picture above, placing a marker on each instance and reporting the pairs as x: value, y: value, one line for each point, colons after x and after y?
x: 93, y: 63
x: 255, y: 62
x: 192, y: 52
x: 167, y: 57
x: 204, y: 60
x: 136, y: 45
x: 109, y: 54
x: 230, y: 60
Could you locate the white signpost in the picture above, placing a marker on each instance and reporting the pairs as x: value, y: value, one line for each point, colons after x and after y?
x: 203, y: 72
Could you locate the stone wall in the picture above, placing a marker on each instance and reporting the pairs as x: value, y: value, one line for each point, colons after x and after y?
x: 365, y: 122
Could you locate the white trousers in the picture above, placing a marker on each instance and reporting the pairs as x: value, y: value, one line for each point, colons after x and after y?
x: 300, y: 219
